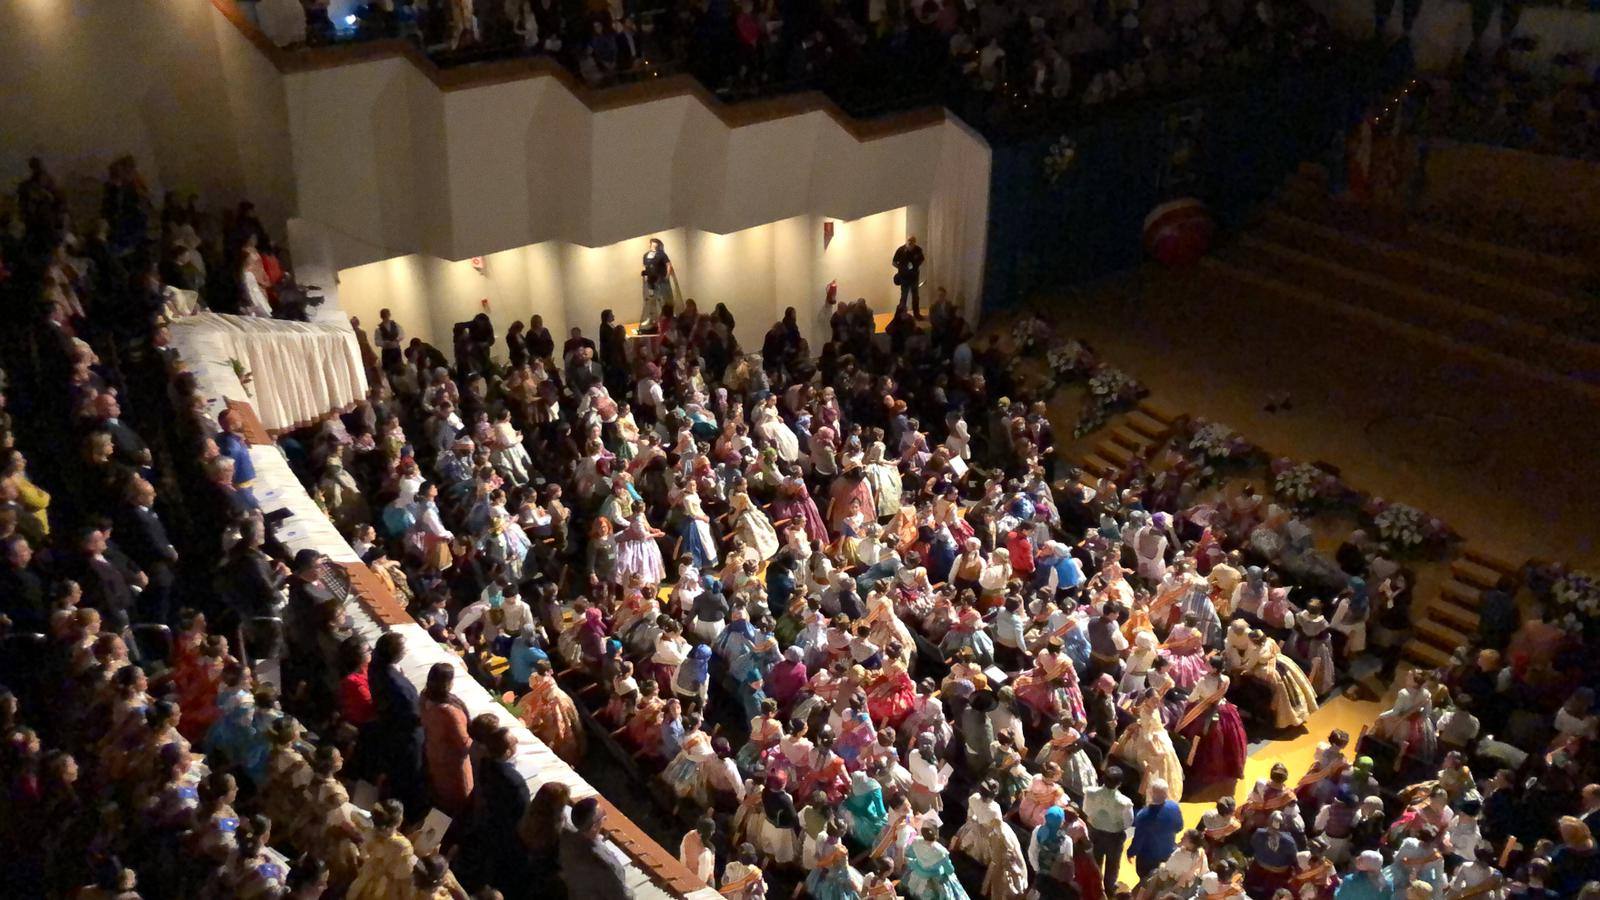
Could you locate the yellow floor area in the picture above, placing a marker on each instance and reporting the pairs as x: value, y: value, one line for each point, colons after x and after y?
x: 1294, y: 752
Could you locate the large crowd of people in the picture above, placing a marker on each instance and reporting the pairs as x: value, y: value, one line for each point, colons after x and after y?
x: 838, y: 606
x: 996, y: 57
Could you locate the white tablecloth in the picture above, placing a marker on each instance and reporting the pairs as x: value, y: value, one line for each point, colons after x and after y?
x: 299, y: 371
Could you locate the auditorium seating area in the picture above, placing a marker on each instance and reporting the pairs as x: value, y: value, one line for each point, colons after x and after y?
x: 468, y: 476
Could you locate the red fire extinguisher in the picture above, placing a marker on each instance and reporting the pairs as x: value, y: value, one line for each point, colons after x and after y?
x: 833, y: 292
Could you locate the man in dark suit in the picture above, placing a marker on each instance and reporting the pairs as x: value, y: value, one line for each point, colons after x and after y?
x: 587, y: 867
x: 908, y: 260
x: 250, y: 582
x: 306, y: 618
x: 106, y: 577
x: 1100, y: 708
x: 143, y: 537
x: 130, y: 448
x: 22, y: 594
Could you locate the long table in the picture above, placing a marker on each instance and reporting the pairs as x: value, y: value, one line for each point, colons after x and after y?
x: 300, y: 372
x: 652, y: 872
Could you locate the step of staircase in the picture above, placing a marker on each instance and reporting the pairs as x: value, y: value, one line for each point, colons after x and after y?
x: 1457, y: 617
x: 1133, y: 440
x: 1425, y: 655
x: 1446, y: 638
x: 1115, y: 452
x: 1303, y: 197
x: 1452, y: 276
x: 1157, y: 412
x: 1468, y: 572
x: 1459, y: 594
x: 1518, y: 262
x: 1490, y: 561
x: 1098, y: 467
x: 1494, y: 330
x: 1146, y: 427
x: 1242, y: 280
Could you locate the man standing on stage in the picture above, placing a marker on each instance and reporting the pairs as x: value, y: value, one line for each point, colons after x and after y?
x: 908, y: 261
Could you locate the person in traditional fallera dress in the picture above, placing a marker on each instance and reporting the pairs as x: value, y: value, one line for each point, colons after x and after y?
x: 983, y: 817
x: 1273, y: 851
x: 968, y: 634
x: 1185, y: 651
x: 864, y: 810
x: 1065, y: 749
x: 1006, y: 878
x: 1147, y: 745
x: 697, y: 851
x: 775, y: 827
x: 1218, y: 744
x: 752, y: 526
x: 1293, y: 698
x: 1328, y: 764
x: 550, y: 714
x: 1271, y: 796
x: 1312, y: 647
x: 1042, y: 795
x: 638, y: 554
x: 694, y: 532
x: 1408, y: 723
x: 833, y: 878
x: 385, y: 873
x: 930, y: 874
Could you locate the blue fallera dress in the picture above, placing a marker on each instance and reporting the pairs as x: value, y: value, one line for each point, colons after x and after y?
x: 930, y: 875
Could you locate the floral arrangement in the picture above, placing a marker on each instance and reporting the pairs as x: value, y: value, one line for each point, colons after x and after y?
x: 1029, y: 332
x: 1070, y: 360
x: 1302, y: 484
x: 1575, y: 596
x: 1405, y: 528
x: 1059, y: 159
x: 1215, y: 441
x: 1110, y: 390
x: 1400, y: 525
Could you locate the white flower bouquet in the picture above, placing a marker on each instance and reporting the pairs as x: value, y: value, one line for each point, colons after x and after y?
x: 1070, y: 359
x: 1110, y: 390
x: 1029, y: 332
x: 1400, y: 525
x: 1114, y: 385
x: 1215, y: 441
x: 1300, y: 483
x: 1576, y: 598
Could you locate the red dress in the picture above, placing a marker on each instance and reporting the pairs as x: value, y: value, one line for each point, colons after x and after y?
x: 1223, y: 744
x: 1091, y: 883
x: 892, y: 698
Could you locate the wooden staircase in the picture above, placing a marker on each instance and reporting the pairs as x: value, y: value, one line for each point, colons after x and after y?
x: 1523, y: 312
x: 1137, y: 436
x: 1449, y: 620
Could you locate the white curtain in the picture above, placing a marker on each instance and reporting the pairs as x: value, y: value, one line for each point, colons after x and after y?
x: 958, y: 217
x: 299, y: 371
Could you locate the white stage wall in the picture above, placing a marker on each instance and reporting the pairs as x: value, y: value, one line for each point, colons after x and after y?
x: 357, y: 154
x: 171, y: 82
x: 756, y: 271
x: 392, y: 165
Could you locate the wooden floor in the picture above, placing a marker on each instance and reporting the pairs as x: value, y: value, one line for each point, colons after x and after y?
x: 1502, y: 452
x: 1294, y: 752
